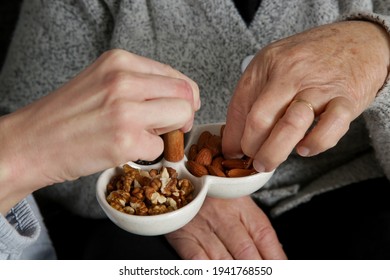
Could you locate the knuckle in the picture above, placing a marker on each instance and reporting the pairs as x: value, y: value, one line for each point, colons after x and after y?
x: 115, y: 82
x: 244, y: 248
x: 294, y: 120
x: 124, y: 143
x: 119, y: 117
x: 120, y: 142
x: 264, y: 233
x: 257, y: 120
x: 183, y: 88
x: 116, y: 58
x: 123, y: 115
x: 343, y: 116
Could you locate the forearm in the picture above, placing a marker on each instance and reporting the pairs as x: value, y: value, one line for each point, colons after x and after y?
x: 42, y: 57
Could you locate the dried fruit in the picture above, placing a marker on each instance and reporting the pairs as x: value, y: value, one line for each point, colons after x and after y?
x: 205, y: 158
x: 203, y: 138
x: 174, y: 145
x: 217, y: 162
x: 234, y: 164
x: 215, y: 171
x: 240, y: 172
x: 214, y: 143
x: 193, y: 152
x: 196, y: 169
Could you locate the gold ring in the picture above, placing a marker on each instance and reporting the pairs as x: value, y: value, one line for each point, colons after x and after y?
x: 304, y: 102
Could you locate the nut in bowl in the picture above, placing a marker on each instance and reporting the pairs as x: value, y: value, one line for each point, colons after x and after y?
x: 147, y: 219
x: 161, y: 214
x: 237, y: 178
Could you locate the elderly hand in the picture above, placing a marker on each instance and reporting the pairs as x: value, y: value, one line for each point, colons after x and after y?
x: 331, y: 73
x: 112, y: 112
x: 227, y: 229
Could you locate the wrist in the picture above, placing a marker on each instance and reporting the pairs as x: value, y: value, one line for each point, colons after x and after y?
x: 383, y: 47
x: 381, y: 27
x: 18, y: 174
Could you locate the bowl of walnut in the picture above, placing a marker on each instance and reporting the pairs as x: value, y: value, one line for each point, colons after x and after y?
x: 150, y: 200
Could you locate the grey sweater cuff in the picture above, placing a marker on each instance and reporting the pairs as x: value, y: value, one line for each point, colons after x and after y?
x: 18, y: 230
x: 377, y: 116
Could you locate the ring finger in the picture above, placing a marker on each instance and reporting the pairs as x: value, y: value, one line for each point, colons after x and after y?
x: 287, y: 132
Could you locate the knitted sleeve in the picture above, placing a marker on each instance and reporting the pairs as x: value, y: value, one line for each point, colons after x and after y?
x: 18, y: 230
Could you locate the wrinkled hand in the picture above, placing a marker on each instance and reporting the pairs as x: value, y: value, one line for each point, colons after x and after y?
x: 112, y: 112
x: 337, y: 68
x: 227, y: 229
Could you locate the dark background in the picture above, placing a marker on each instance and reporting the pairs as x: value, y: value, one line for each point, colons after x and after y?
x: 350, y: 223
x: 9, y: 11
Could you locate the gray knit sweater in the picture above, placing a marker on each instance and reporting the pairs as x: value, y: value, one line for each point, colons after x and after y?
x: 206, y: 40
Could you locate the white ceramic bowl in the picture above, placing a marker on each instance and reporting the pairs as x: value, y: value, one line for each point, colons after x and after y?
x: 223, y: 187
x: 219, y: 187
x: 156, y: 224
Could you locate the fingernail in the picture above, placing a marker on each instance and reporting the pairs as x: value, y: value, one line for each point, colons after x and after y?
x: 258, y: 166
x: 233, y: 155
x: 199, y: 104
x: 187, y: 129
x: 303, y: 151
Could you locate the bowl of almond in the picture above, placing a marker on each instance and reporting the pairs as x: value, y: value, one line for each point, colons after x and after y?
x: 224, y: 178
x: 164, y: 196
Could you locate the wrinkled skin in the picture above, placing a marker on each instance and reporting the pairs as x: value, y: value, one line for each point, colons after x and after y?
x: 228, y: 229
x: 334, y: 69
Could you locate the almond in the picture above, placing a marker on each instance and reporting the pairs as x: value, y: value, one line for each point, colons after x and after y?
x: 217, y: 162
x: 237, y: 172
x: 203, y: 137
x: 234, y: 164
x: 214, y: 143
x: 193, y: 152
x: 215, y: 171
x: 204, y: 157
x: 196, y: 169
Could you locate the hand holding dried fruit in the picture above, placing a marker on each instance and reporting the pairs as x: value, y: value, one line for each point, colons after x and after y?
x: 205, y: 158
x: 108, y: 111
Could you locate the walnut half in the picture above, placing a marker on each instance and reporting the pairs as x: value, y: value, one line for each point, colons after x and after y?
x: 140, y: 192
